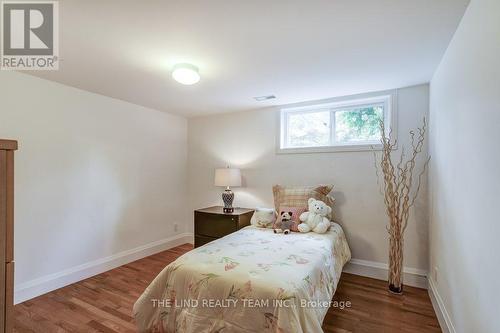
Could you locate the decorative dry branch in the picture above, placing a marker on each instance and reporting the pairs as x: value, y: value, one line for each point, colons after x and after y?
x: 399, y: 196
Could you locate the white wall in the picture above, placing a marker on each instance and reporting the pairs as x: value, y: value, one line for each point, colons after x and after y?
x: 247, y: 140
x: 465, y: 173
x: 95, y: 176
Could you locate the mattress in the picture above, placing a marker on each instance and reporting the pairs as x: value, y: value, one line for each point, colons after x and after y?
x: 249, y: 281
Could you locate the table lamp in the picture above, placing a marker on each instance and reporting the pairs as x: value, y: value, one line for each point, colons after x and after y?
x: 227, y: 177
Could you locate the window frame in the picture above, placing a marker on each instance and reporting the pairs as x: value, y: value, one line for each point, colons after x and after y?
x: 387, y: 98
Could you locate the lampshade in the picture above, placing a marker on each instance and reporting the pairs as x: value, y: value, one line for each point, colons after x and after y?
x: 227, y: 177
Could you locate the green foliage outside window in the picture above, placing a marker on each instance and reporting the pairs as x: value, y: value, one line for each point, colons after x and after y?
x: 362, y: 124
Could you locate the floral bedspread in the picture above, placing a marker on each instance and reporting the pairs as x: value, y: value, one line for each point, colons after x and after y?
x: 250, y: 281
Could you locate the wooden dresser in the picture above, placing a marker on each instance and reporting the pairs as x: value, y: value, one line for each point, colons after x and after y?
x: 7, y: 148
x: 212, y: 223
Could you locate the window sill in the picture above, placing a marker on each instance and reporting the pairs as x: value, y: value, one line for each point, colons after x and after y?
x: 330, y: 149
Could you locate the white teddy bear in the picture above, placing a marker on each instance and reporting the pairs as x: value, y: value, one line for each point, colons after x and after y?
x: 315, y: 219
x: 263, y: 217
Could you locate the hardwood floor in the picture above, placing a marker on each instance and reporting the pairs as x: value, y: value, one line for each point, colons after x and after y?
x: 374, y: 309
x: 103, y: 303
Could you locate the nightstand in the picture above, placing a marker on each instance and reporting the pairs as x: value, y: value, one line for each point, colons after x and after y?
x: 212, y: 223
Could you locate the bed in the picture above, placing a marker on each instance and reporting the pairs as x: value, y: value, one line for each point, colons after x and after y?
x: 250, y: 281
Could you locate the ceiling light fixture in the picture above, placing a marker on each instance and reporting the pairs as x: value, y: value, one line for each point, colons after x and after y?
x: 186, y: 74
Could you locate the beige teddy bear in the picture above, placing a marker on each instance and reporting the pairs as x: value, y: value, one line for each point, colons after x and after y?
x: 315, y: 218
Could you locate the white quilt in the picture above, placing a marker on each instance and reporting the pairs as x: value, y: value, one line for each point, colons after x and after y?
x: 250, y: 281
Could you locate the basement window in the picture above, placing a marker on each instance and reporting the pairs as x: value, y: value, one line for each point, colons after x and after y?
x: 345, y: 124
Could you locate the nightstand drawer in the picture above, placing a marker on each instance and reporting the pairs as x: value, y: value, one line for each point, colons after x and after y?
x: 202, y: 240
x: 214, y: 225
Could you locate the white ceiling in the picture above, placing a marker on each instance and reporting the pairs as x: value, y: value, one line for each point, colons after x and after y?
x: 296, y: 50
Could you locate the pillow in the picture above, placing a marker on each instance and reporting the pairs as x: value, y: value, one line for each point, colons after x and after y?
x: 296, y: 211
x: 297, y: 196
x: 263, y: 217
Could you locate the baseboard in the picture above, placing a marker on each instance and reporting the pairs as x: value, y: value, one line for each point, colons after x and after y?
x: 412, y: 276
x: 45, y: 284
x: 441, y: 313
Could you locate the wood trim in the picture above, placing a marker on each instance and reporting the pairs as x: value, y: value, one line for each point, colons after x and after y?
x: 7, y: 148
x: 9, y: 216
x: 9, y: 298
x: 8, y: 144
x: 3, y: 238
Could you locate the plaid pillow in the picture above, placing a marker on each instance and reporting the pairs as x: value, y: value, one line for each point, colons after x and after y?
x: 297, y: 196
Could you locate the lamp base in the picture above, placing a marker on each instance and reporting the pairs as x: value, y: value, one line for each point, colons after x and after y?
x: 228, y: 197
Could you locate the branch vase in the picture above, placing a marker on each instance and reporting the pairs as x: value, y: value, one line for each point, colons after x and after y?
x: 396, y: 262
